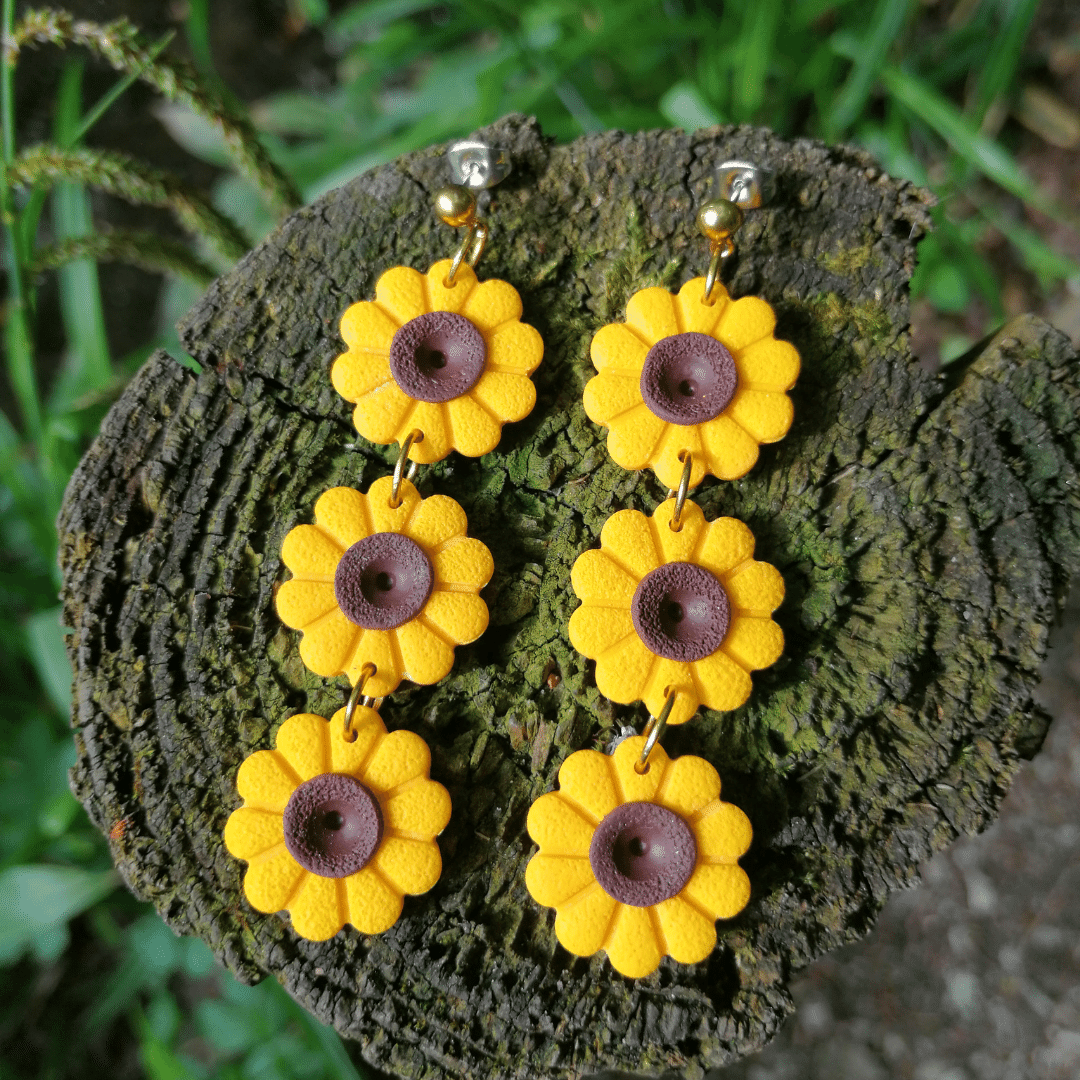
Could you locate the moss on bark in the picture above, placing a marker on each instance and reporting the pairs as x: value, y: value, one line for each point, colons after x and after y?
x: 925, y: 526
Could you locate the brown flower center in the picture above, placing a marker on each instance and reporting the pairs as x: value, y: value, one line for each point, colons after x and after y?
x: 383, y: 581
x: 688, y: 378
x: 642, y: 854
x: 681, y: 611
x: 333, y: 825
x: 437, y: 356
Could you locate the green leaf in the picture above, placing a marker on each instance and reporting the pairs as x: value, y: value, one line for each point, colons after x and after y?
x: 45, y: 645
x: 192, y: 132
x: 225, y: 1026
x: 36, y: 899
x: 683, y: 106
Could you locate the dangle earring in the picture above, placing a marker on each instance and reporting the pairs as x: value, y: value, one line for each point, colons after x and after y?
x: 638, y: 854
x: 339, y: 820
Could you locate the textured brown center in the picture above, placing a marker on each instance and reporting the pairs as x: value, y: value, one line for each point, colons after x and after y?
x: 642, y: 854
x: 383, y: 581
x: 681, y: 611
x: 688, y: 378
x: 333, y: 825
x: 437, y: 356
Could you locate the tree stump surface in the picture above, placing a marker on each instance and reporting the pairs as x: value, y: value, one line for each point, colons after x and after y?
x: 926, y: 526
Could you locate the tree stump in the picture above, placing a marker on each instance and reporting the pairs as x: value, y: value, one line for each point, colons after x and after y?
x: 925, y: 525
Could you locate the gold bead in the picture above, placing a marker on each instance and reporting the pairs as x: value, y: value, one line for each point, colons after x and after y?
x: 456, y: 205
x: 718, y: 219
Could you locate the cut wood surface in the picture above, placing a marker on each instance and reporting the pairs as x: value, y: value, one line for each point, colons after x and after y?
x: 926, y: 526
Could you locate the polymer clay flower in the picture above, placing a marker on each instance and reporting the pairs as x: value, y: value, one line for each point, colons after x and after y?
x: 394, y: 587
x: 640, y: 865
x: 452, y: 362
x: 335, y: 831
x: 681, y: 376
x: 684, y: 611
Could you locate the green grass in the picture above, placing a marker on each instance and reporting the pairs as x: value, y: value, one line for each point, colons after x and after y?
x: 921, y: 98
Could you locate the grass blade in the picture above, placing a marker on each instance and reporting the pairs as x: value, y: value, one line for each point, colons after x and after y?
x: 1002, y: 59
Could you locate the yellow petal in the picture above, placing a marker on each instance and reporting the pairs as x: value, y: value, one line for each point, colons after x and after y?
x: 304, y: 741
x: 310, y: 553
x: 632, y: 947
x: 596, y: 577
x: 426, y: 656
x: 349, y: 757
x: 594, y: 630
x: 318, y: 909
x: 766, y: 415
x: 694, y: 315
x: 634, y: 436
x: 250, y: 832
x: 628, y: 537
x: 743, y: 322
x: 430, y: 418
x: 558, y: 827
x: 767, y: 365
x: 375, y: 647
x: 586, y: 780
x: 678, y: 546
x: 582, y: 926
x: 400, y: 757
x: 272, y: 880
x: 755, y: 588
x: 667, y: 461
x: 340, y: 514
x: 465, y: 563
x: 616, y: 348
x: 731, y: 451
x: 384, y: 517
x: 721, y: 682
x: 723, y: 833
x: 610, y: 394
x: 492, y: 303
x: 452, y: 298
x: 411, y: 866
x: 400, y: 293
x: 266, y: 781
x: 688, y: 936
x: 508, y: 395
x: 355, y: 374
x: 300, y: 603
x: 421, y: 811
x: 665, y: 677
x: 380, y: 415
x: 554, y: 879
x: 473, y: 431
x: 437, y: 519
x: 754, y: 643
x: 461, y: 617
x: 328, y: 644
x: 373, y: 905
x: 365, y: 326
x: 622, y: 671
x: 723, y: 891
x: 634, y: 786
x: 515, y: 348
x: 727, y: 543
x: 651, y: 312
x: 690, y: 784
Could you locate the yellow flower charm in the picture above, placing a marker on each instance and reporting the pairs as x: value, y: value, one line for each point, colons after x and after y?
x: 397, y: 588
x: 451, y: 362
x: 684, y: 611
x: 335, y: 831
x: 640, y: 865
x: 681, y: 376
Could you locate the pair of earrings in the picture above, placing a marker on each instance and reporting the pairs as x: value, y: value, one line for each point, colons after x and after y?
x: 637, y: 853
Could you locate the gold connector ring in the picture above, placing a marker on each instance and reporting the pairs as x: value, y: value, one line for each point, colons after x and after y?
x: 414, y: 436
x: 366, y: 672
x: 472, y: 247
x: 687, y: 458
x: 653, y: 730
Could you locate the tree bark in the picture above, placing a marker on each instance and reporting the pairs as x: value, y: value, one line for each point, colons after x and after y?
x: 926, y: 526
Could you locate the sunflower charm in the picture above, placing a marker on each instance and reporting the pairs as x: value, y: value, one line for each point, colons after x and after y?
x: 685, y: 612
x: 374, y: 584
x: 638, y: 864
x: 334, y: 831
x: 680, y: 375
x: 452, y: 362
